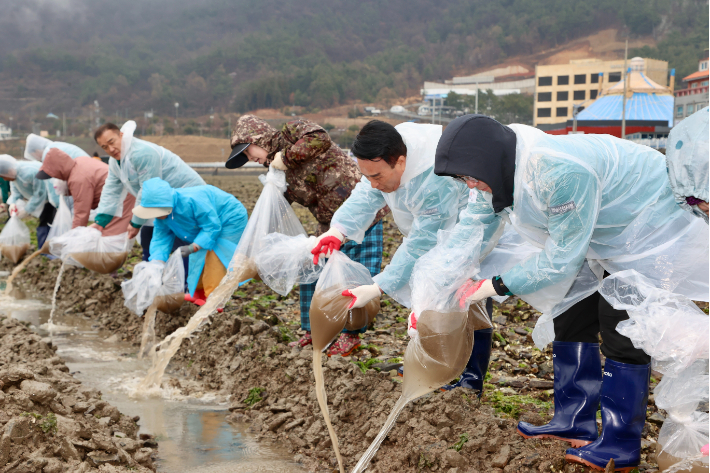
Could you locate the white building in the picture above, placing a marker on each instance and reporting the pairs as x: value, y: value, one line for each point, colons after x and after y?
x: 5, y: 132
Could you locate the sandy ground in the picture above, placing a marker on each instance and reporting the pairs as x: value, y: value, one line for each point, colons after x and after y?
x: 245, y: 353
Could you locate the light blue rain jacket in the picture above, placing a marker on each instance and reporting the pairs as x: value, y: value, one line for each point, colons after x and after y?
x: 204, y: 215
x: 35, y: 191
x: 687, y: 157
x: 141, y: 161
x: 423, y: 204
x: 598, y: 198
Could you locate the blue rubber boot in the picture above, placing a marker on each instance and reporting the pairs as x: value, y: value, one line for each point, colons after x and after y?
x: 624, y: 398
x: 578, y: 378
x: 477, y: 366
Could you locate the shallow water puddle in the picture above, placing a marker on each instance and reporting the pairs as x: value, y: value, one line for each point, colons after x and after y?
x: 191, y: 431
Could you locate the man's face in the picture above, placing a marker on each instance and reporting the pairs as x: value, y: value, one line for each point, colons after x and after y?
x: 381, y: 176
x: 110, y: 141
x: 256, y: 154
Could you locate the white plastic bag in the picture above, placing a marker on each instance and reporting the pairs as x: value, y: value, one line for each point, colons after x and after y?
x: 272, y: 214
x: 667, y: 326
x: 87, y: 248
x: 172, y: 291
x: 287, y: 260
x: 14, y: 239
x: 329, y: 312
x: 62, y: 223
x: 139, y: 292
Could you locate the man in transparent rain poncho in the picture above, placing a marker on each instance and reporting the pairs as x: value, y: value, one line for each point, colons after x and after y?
x: 133, y: 161
x: 42, y: 200
x: 397, y: 164
x: 590, y: 203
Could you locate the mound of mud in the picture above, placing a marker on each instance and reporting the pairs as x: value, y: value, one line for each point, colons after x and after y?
x: 49, y: 422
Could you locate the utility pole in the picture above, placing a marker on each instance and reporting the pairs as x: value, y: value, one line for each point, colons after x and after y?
x: 476, y: 96
x: 626, y: 85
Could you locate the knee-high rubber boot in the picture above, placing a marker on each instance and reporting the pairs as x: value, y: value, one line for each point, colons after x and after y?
x: 578, y: 377
x: 477, y: 366
x: 623, y: 399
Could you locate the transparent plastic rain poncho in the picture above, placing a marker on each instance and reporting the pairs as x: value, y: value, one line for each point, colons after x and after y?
x: 14, y: 239
x: 687, y: 156
x: 588, y: 203
x: 271, y: 214
x: 37, y: 147
x: 85, y: 247
x: 285, y: 261
x: 423, y: 204
x: 62, y: 223
x: 155, y: 279
x: 674, y: 332
x: 329, y: 311
x: 140, y: 161
x: 35, y: 191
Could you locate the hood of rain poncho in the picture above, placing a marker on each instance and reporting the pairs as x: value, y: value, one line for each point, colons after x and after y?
x: 254, y: 130
x: 687, y: 156
x: 58, y: 164
x: 157, y: 193
x: 8, y: 166
x: 35, y: 146
x: 479, y: 147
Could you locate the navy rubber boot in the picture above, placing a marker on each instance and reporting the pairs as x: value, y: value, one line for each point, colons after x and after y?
x: 624, y: 397
x: 477, y: 366
x: 578, y: 378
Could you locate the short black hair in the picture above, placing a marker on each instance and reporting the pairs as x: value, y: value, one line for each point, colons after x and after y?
x: 103, y: 128
x: 379, y: 140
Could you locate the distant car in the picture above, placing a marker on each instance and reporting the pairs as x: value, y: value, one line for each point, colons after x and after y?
x: 397, y: 109
x: 376, y: 112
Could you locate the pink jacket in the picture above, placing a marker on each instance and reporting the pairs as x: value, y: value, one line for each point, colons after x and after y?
x: 85, y: 179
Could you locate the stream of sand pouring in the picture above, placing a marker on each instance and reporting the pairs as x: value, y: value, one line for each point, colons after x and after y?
x: 54, y: 295
x: 438, y: 356
x: 19, y: 268
x: 323, y: 403
x: 148, y: 337
x: 165, y: 350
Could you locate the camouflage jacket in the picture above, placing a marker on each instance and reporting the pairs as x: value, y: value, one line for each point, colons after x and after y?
x: 319, y: 174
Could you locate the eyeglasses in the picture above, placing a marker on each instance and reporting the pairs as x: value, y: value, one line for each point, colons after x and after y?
x: 465, y: 179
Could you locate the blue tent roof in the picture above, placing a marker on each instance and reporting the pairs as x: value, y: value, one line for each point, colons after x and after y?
x: 641, y: 106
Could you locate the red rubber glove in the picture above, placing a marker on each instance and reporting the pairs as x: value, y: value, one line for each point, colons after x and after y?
x: 474, y: 291
x: 362, y: 295
x: 325, y: 246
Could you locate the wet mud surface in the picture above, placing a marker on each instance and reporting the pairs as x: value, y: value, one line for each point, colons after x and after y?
x: 244, y: 353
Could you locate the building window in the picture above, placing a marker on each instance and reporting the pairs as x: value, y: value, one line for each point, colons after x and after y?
x: 693, y: 85
x: 544, y: 112
x: 593, y: 94
x: 562, y: 80
x: 698, y: 107
x: 580, y: 78
x: 594, y: 79
x: 690, y: 108
x: 561, y: 111
x: 704, y: 83
x: 614, y: 76
x: 562, y: 96
x: 543, y: 81
x: 544, y: 96
x: 580, y: 94
x: 679, y: 111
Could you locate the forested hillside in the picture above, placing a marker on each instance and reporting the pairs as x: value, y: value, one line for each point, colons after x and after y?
x: 236, y: 55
